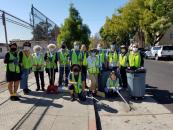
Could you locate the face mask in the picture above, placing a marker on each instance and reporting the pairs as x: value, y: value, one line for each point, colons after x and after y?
x: 112, y: 47
x: 26, y: 48
x: 99, y: 48
x: 13, y: 49
x: 76, y: 71
x: 123, y: 50
x: 135, y: 49
x: 93, y: 54
x: 51, y: 49
x: 76, y: 47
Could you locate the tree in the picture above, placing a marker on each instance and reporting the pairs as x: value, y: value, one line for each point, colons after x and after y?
x: 147, y: 18
x: 74, y: 29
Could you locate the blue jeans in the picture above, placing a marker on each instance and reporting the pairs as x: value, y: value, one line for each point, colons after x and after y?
x: 24, y: 79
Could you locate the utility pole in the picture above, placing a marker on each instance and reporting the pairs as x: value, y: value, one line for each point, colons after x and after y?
x: 5, y: 28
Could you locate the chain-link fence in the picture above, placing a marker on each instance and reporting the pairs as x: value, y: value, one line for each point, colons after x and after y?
x: 44, y: 28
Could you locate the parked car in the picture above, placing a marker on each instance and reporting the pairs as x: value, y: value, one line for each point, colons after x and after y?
x: 163, y: 51
x: 147, y: 54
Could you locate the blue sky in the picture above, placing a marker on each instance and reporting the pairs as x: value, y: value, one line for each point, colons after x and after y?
x: 93, y: 12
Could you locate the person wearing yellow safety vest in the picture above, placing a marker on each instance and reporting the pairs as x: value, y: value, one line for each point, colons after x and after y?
x: 84, y: 62
x: 51, y: 59
x: 26, y: 63
x: 102, y: 57
x: 123, y: 64
x: 93, y: 70
x: 13, y: 71
x: 112, y: 58
x: 38, y: 66
x: 76, y: 55
x: 135, y: 59
x: 112, y: 85
x: 77, y: 83
x: 64, y: 65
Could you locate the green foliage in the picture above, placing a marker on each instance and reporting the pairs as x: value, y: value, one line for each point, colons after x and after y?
x: 74, y: 29
x: 152, y: 17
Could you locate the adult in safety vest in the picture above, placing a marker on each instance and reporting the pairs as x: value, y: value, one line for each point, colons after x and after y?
x: 112, y: 58
x: 112, y: 85
x: 102, y: 57
x: 77, y: 83
x: 84, y: 62
x: 135, y: 59
x: 76, y: 55
x: 51, y: 59
x: 93, y: 70
x: 123, y: 64
x: 13, y: 71
x: 64, y: 65
x: 38, y: 66
x: 26, y: 63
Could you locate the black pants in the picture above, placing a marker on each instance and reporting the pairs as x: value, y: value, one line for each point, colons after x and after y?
x: 51, y: 74
x: 123, y: 76
x: 67, y: 71
x: 39, y: 74
x: 84, y: 71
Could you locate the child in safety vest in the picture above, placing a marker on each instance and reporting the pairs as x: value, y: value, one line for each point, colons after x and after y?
x: 112, y: 84
x: 76, y: 83
x: 38, y: 66
x: 13, y: 71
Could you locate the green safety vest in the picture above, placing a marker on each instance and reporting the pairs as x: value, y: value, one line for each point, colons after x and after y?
x: 113, y: 57
x: 93, y: 67
x: 123, y: 60
x: 63, y: 57
x: 112, y: 83
x: 27, y: 61
x: 78, y: 86
x: 51, y: 64
x: 134, y: 59
x: 76, y: 59
x: 11, y: 66
x: 85, y: 59
x: 37, y: 61
x: 101, y: 57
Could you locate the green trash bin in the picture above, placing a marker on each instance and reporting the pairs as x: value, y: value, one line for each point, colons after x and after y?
x: 136, y: 82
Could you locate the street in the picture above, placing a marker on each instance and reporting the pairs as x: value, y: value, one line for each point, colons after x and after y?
x: 159, y: 82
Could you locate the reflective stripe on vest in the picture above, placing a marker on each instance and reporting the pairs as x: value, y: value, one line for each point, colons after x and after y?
x: 78, y: 86
x: 51, y: 64
x: 11, y: 66
x: 134, y: 59
x: 113, y: 84
x: 93, y: 67
x: 76, y: 58
x: 123, y: 60
x: 85, y: 59
x: 37, y: 61
x: 26, y: 61
x: 113, y: 57
x: 63, y: 58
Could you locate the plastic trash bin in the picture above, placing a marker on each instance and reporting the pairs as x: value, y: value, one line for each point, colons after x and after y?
x: 136, y: 82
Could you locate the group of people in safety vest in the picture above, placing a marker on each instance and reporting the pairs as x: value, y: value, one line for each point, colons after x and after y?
x: 75, y: 67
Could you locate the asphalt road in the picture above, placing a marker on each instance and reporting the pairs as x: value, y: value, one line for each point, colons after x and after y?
x: 159, y: 81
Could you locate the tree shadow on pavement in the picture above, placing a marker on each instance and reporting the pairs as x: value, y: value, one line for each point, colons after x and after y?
x: 161, y: 96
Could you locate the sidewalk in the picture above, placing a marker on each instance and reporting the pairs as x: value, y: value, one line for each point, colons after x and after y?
x: 45, y: 112
x: 55, y: 112
x: 146, y: 115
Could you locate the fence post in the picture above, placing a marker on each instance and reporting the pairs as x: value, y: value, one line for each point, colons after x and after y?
x: 33, y: 22
x: 5, y: 28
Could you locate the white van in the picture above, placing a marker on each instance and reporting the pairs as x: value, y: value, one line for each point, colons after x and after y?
x: 163, y: 51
